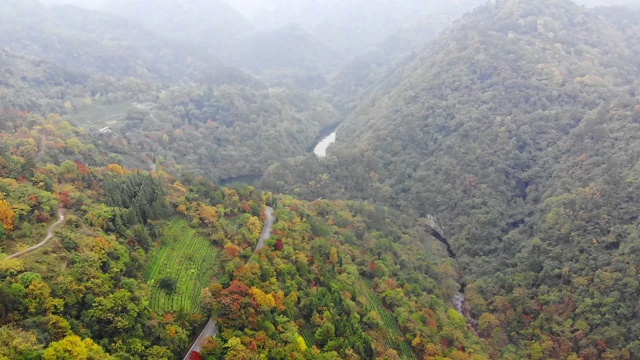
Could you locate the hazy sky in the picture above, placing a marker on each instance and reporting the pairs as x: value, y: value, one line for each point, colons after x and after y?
x: 608, y: 2
x: 249, y: 7
x: 253, y: 9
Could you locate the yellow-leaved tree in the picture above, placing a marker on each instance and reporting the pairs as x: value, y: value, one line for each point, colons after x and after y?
x: 262, y: 298
x: 255, y: 226
x: 302, y: 345
x: 72, y: 347
x: 7, y: 216
x: 208, y: 214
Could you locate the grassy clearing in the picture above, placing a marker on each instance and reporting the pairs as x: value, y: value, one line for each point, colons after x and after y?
x: 26, y: 235
x: 97, y: 116
x: 188, y: 258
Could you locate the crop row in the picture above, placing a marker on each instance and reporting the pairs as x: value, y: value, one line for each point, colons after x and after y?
x: 307, y: 334
x: 186, y: 257
x: 390, y: 323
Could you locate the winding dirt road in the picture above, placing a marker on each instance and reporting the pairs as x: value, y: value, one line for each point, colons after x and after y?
x: 210, y: 330
x: 46, y: 238
x: 266, y: 229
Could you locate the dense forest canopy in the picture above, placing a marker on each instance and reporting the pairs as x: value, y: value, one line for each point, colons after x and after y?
x: 516, y: 128
x: 480, y: 202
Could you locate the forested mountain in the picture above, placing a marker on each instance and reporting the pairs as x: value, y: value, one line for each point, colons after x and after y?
x: 94, y: 42
x: 353, y: 27
x: 512, y: 138
x: 223, y: 131
x: 303, y: 36
x: 140, y: 259
x: 380, y: 19
x: 220, y: 122
x: 363, y: 77
x: 27, y: 83
x: 517, y: 129
x: 205, y: 31
x: 154, y: 40
x: 209, y: 24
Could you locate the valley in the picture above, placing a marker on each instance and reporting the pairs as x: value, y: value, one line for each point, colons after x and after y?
x: 293, y: 180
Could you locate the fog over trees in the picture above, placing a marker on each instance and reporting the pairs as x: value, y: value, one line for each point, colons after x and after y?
x: 160, y: 197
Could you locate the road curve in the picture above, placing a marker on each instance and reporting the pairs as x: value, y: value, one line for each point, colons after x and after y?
x: 210, y: 330
x: 266, y: 229
x: 46, y: 238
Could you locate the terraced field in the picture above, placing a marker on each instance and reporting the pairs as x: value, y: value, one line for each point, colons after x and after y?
x: 394, y: 338
x: 308, y: 336
x: 190, y: 260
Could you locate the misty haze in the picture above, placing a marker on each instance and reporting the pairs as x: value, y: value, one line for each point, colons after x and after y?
x: 319, y: 179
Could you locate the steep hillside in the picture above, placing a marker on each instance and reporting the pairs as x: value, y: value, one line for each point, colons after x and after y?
x: 138, y: 260
x: 228, y: 125
x: 366, y: 77
x: 517, y: 129
x: 516, y: 68
x: 222, y: 131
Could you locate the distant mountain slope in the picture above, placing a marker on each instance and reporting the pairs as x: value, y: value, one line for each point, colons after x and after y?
x: 268, y: 15
x: 289, y: 48
x: 356, y: 26
x: 21, y: 75
x: 627, y: 3
x: 94, y: 42
x: 352, y: 27
x: 213, y: 27
x: 210, y: 24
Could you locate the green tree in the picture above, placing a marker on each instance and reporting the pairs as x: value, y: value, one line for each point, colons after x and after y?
x: 116, y: 315
x: 168, y: 284
x: 15, y: 342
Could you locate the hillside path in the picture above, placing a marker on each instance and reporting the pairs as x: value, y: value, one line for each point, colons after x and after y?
x: 266, y: 229
x: 46, y: 238
x: 210, y: 330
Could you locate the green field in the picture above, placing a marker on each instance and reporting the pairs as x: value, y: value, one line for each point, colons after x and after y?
x: 187, y: 257
x: 97, y: 115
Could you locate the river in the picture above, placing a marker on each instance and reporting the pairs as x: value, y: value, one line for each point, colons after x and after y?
x: 459, y: 300
x: 321, y: 149
x: 326, y: 137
